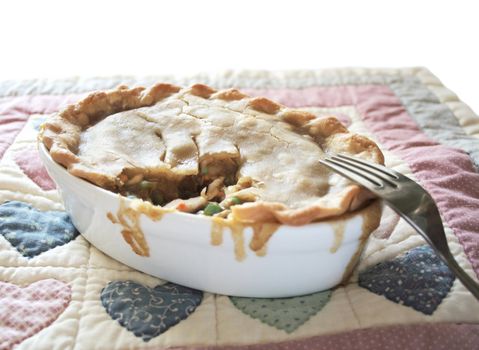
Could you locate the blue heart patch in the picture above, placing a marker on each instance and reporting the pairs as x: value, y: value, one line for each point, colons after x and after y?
x: 32, y: 231
x: 418, y: 279
x: 148, y: 312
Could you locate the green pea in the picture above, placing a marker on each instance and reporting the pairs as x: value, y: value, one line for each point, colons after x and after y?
x: 204, y: 170
x: 212, y: 208
x: 146, y: 185
x: 235, y: 200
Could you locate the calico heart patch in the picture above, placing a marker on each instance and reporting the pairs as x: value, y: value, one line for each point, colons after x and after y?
x: 25, y: 311
x: 32, y: 231
x: 148, y: 312
x: 418, y: 279
x: 283, y: 313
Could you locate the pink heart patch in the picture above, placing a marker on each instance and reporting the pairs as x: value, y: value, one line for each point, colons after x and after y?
x: 26, y: 311
x: 29, y: 161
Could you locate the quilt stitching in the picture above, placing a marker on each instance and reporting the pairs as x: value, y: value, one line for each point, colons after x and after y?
x: 149, y: 312
x: 26, y: 311
x: 283, y: 313
x: 33, y: 232
x: 418, y: 279
x: 358, y: 82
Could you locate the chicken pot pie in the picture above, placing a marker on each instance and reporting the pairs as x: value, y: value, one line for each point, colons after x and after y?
x: 218, y: 153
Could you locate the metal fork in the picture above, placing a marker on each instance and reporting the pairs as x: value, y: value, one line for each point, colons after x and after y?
x: 408, y: 199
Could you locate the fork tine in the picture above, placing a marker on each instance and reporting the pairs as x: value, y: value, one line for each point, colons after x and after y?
x: 395, y: 175
x: 352, y: 173
x: 366, y: 167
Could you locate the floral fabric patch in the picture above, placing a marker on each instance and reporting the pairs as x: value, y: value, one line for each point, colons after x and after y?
x: 148, y: 312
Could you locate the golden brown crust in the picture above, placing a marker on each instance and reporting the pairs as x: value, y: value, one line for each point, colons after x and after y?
x: 355, y: 144
x: 62, y: 134
x: 262, y: 104
x: 296, y: 117
x: 335, y: 205
x: 158, y: 92
x: 326, y: 127
x: 229, y: 95
x: 202, y: 90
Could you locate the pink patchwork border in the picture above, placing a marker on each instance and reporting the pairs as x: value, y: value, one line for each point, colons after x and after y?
x: 447, y: 336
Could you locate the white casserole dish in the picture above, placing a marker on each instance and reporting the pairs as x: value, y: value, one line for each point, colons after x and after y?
x: 298, y: 259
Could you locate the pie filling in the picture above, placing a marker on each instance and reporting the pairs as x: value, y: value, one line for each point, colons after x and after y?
x: 211, y: 192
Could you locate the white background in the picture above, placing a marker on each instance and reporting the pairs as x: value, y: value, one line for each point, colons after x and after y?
x: 65, y: 38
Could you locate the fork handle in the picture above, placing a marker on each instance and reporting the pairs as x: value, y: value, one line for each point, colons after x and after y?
x: 466, y: 280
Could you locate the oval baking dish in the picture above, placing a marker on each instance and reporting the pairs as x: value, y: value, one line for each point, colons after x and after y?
x: 193, y: 250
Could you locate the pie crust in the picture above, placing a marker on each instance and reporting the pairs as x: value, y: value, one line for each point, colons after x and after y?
x: 174, y: 136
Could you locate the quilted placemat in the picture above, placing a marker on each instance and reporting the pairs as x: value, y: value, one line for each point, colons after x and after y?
x: 59, y: 292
